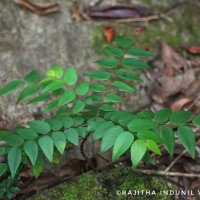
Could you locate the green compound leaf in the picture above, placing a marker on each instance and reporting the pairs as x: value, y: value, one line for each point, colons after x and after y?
x: 26, y: 133
x: 31, y: 150
x: 168, y: 138
x: 123, y: 41
x: 101, y: 128
x: 110, y: 137
x: 58, y: 92
x: 101, y: 76
x: 46, y: 144
x: 72, y: 135
x: 59, y: 140
x: 66, y: 121
x: 134, y: 63
x: 93, y: 124
x: 70, y: 76
x: 140, y: 125
x: 149, y: 135
x: 50, y: 106
x: 122, y: 143
x: 3, y: 168
x: 66, y: 98
x: 78, y: 107
x: 42, y: 97
x: 146, y: 114
x: 14, y: 140
x: 139, y: 52
x: 57, y: 84
x: 14, y: 160
x: 107, y: 63
x: 180, y: 117
x: 82, y: 89
x: 55, y: 124
x: 77, y: 121
x: 81, y: 131
x: 187, y: 138
x: 55, y: 72
x: 196, y: 121
x: 113, y: 51
x: 108, y: 107
x: 2, y: 151
x: 27, y: 92
x: 162, y: 115
x: 122, y: 86
x: 97, y: 87
x: 127, y: 75
x: 39, y: 126
x: 153, y: 147
x: 38, y: 167
x: 138, y: 150
x: 113, y: 98
x: 32, y: 77
x: 11, y: 87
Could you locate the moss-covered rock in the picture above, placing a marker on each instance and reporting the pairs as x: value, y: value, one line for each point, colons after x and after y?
x: 119, y: 183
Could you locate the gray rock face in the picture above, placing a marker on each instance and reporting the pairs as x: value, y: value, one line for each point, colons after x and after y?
x: 30, y: 42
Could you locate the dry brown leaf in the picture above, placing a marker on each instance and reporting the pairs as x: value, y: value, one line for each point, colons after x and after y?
x: 192, y: 50
x: 109, y: 33
x: 179, y: 104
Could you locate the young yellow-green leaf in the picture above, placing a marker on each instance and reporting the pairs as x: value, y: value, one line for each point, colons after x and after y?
x: 78, y: 107
x: 82, y: 89
x: 45, y: 81
x: 107, y: 107
x: 149, y: 135
x: 114, y: 51
x: 162, y: 115
x: 153, y: 147
x: 110, y: 137
x: 70, y: 76
x: 50, y: 106
x: 55, y: 71
x: 38, y: 167
x: 57, y: 84
x: 122, y: 86
x: 180, y: 117
x: 11, y: 87
x: 72, y: 135
x: 140, y: 125
x: 139, y: 52
x: 27, y: 92
x: 123, y: 41
x: 81, y: 131
x: 101, y: 128
x: 14, y: 140
x: 46, y: 144
x: 59, y: 141
x: 3, y: 168
x: 138, y: 150
x: 113, y: 98
x: 66, y: 121
x: 39, y: 126
x: 14, y: 160
x: 127, y: 74
x: 134, y: 63
x: 101, y: 76
x: 26, y: 133
x: 168, y: 138
x: 196, y: 121
x: 66, y: 98
x: 97, y: 87
x: 32, y: 77
x: 31, y: 150
x: 122, y: 143
x: 55, y: 124
x: 41, y: 97
x: 107, y: 63
x: 187, y: 138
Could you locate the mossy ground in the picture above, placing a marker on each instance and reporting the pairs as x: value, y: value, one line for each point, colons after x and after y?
x: 103, y: 186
